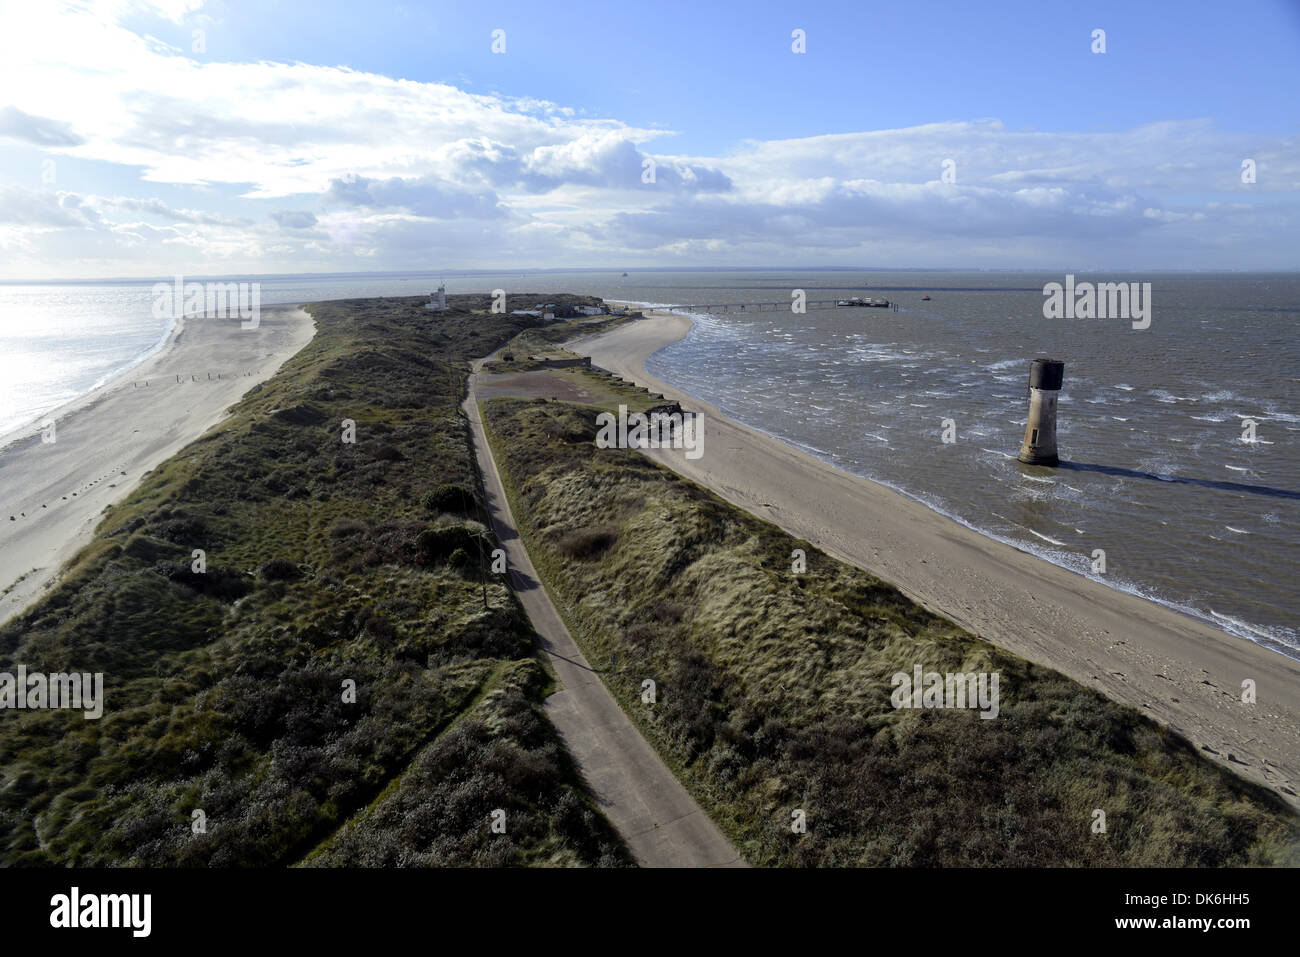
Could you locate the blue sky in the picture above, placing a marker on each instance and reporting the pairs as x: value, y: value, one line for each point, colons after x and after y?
x: 340, y: 136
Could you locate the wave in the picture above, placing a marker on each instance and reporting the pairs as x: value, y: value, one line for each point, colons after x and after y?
x: 1045, y: 538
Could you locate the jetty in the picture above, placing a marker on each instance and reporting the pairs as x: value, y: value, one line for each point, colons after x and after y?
x: 781, y: 305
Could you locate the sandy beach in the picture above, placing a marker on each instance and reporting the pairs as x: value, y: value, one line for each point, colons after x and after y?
x: 105, y: 441
x: 1174, y: 668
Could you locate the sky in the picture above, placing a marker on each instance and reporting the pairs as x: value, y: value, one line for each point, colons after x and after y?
x: 143, y: 138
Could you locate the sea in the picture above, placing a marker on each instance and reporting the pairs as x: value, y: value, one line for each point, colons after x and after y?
x: 1180, y: 442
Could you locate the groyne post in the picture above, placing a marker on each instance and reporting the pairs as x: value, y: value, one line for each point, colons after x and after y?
x: 1039, y: 446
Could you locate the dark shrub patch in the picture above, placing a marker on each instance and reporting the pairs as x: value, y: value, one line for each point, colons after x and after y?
x: 151, y: 549
x: 449, y: 498
x: 347, y: 527
x: 587, y: 543
x: 224, y: 584
x: 278, y: 570
x: 437, y: 544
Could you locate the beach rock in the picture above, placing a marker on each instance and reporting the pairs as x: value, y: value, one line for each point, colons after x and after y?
x: 668, y: 408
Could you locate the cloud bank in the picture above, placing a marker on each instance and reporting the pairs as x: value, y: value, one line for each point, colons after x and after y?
x: 299, y: 167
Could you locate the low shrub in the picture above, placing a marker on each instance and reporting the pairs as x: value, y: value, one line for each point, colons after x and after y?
x: 587, y: 543
x: 449, y: 498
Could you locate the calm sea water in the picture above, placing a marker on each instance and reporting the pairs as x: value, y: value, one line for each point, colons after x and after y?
x: 1155, y: 471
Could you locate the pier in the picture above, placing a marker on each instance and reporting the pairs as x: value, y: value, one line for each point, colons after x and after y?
x: 780, y: 306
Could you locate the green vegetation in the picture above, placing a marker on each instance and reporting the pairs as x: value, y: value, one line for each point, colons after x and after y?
x: 327, y: 563
x: 501, y: 755
x: 774, y: 689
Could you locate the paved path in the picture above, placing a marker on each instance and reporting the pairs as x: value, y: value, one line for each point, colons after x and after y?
x: 660, y: 822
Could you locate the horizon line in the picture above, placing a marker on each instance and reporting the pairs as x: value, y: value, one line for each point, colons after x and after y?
x: 470, y: 273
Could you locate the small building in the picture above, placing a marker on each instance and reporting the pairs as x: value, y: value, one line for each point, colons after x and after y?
x: 438, y: 300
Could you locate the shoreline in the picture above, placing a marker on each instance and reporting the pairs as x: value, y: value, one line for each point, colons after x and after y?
x: 1169, y: 665
x: 78, y: 403
x: 1247, y: 631
x: 108, y: 438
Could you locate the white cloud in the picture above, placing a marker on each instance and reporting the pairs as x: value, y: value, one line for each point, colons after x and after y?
x: 341, y: 164
x: 293, y: 219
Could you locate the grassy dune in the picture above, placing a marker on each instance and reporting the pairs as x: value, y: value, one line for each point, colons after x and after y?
x: 327, y: 562
x: 773, y: 689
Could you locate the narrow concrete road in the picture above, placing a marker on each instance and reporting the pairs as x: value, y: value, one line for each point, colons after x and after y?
x: 660, y: 822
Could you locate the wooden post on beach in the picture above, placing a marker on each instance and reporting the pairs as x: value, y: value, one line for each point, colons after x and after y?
x: 1039, y: 447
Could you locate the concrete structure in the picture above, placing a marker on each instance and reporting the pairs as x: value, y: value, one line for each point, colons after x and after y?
x: 552, y: 362
x: 438, y: 300
x: 1039, y: 447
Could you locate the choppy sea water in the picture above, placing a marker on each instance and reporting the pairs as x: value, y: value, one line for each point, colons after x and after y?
x: 1155, y: 471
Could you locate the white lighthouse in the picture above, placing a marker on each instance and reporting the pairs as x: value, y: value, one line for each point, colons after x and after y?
x: 438, y: 299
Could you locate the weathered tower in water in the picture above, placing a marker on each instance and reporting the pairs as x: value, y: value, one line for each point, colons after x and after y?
x: 1039, y: 447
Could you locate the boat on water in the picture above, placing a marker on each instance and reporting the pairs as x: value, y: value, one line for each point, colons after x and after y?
x: 868, y: 302
x: 925, y: 298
